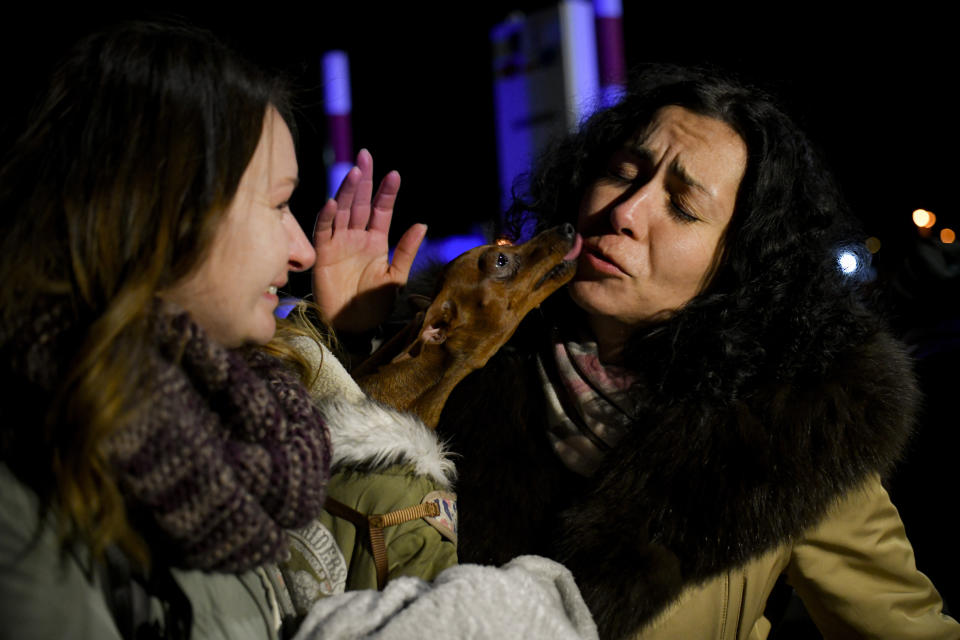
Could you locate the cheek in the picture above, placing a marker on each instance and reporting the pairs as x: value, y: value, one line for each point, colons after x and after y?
x: 249, y: 260
x: 579, y: 224
x: 591, y: 222
x: 692, y: 257
x: 268, y: 245
x: 590, y: 210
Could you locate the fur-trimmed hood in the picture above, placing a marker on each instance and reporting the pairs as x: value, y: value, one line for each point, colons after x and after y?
x: 366, y: 434
x: 698, y: 486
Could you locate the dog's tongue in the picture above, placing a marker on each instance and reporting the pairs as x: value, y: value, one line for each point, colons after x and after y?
x: 575, y: 251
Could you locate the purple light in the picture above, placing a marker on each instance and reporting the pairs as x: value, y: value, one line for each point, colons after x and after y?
x: 285, y: 306
x: 581, y: 76
x: 443, y: 250
x: 336, y: 83
x: 336, y: 100
x: 335, y: 175
x: 610, y: 57
x: 608, y: 8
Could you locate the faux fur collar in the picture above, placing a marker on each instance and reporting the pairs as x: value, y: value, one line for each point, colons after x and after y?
x: 715, y: 484
x: 696, y: 488
x: 369, y: 435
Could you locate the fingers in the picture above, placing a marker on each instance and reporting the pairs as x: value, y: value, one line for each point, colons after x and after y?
x: 384, y: 201
x: 360, y: 209
x: 345, y: 197
x: 323, y: 226
x: 353, y: 200
x: 406, y: 251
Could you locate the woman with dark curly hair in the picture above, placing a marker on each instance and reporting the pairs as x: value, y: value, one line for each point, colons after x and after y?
x: 712, y: 405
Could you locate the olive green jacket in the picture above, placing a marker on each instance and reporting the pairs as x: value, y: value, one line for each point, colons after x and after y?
x: 384, y: 463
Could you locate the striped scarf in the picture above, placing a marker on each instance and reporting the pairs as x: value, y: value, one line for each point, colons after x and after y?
x: 589, y: 407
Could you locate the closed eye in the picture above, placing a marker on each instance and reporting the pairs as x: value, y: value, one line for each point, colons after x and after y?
x: 628, y: 166
x: 680, y: 213
x: 620, y: 174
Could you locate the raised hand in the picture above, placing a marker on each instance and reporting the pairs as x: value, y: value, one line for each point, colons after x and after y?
x: 354, y: 282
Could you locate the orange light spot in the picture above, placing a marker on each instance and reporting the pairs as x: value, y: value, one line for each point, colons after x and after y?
x: 503, y: 242
x: 947, y: 236
x: 924, y: 219
x: 873, y: 244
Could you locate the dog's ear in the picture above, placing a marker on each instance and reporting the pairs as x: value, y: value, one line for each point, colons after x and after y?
x: 440, y: 318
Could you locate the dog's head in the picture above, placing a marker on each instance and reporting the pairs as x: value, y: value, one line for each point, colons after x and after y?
x: 487, y: 291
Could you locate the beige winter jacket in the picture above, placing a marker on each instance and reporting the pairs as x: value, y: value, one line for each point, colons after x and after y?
x: 855, y: 572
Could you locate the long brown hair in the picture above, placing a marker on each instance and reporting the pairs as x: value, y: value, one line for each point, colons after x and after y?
x: 113, y: 194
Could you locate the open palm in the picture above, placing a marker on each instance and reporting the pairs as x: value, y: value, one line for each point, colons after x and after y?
x: 354, y: 282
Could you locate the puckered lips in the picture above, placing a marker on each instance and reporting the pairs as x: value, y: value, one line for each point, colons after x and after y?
x: 594, y: 258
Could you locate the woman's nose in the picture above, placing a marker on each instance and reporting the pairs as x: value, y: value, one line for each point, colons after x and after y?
x: 302, y: 254
x: 629, y: 216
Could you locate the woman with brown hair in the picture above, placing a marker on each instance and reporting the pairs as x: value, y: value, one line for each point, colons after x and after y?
x: 146, y: 231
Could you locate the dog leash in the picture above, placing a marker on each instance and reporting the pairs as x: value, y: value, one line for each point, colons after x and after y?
x: 374, y: 525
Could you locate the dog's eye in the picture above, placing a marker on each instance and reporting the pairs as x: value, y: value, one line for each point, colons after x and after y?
x: 500, y: 266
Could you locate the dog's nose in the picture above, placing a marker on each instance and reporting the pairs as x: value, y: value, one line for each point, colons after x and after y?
x: 567, y: 230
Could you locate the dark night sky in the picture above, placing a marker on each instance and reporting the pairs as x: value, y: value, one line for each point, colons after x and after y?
x: 870, y: 90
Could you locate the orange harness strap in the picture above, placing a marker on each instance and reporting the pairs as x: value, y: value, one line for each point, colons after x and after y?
x: 373, y: 526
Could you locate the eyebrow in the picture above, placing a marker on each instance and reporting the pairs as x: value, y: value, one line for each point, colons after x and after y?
x: 676, y: 168
x: 681, y: 172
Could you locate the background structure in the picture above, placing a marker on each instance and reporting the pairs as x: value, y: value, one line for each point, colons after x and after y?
x: 871, y: 90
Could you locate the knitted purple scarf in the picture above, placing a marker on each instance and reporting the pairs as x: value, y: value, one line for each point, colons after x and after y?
x: 229, y: 451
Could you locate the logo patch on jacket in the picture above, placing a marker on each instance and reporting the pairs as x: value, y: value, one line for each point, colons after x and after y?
x: 316, y: 567
x: 446, y: 522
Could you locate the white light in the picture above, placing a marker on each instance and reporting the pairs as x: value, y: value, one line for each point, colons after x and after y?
x: 848, y: 262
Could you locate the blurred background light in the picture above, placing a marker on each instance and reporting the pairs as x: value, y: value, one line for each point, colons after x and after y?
x: 335, y: 71
x: 854, y: 260
x: 947, y: 236
x: 924, y: 219
x: 848, y: 261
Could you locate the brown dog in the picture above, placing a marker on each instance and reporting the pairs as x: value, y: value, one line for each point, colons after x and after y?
x: 484, y: 295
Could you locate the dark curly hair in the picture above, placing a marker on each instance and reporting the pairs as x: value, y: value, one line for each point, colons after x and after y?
x: 777, y: 290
